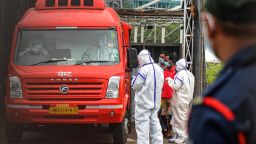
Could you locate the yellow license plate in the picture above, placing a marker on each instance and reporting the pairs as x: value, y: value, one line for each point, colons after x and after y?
x: 63, y: 109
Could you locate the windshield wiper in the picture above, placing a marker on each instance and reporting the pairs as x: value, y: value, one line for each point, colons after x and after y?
x: 49, y: 61
x: 87, y: 62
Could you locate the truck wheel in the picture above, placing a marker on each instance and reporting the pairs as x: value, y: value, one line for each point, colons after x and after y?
x: 120, y: 132
x: 13, y: 132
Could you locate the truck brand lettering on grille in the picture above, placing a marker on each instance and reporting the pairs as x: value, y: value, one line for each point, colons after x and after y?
x: 65, y: 80
x: 64, y: 74
x: 64, y: 89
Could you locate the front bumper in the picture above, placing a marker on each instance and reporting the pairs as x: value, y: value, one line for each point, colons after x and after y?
x: 90, y: 112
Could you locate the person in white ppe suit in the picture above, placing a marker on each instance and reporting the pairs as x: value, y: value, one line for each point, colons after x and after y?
x: 183, y: 85
x: 102, y: 52
x: 147, y: 86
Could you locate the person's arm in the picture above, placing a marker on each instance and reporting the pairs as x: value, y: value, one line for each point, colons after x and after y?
x: 85, y: 55
x: 25, y: 51
x: 175, y: 83
x: 111, y: 55
x: 178, y: 81
x: 139, y: 80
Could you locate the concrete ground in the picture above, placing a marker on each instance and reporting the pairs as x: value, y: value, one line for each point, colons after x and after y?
x: 70, y: 135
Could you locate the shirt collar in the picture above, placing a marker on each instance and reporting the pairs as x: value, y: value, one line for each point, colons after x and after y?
x: 244, y: 56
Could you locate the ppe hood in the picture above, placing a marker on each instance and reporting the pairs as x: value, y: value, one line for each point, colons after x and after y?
x: 145, y: 58
x: 181, y: 65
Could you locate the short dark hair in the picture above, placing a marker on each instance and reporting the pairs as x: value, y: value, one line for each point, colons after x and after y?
x: 238, y: 30
x: 238, y: 11
x: 236, y: 18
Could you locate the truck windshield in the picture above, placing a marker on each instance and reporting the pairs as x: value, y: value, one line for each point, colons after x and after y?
x: 66, y: 47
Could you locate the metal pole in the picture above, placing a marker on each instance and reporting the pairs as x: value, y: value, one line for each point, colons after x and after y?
x: 182, y: 34
x: 142, y: 34
x: 121, y: 3
x: 136, y: 34
x: 198, y: 66
x: 184, y: 30
x: 155, y: 36
x: 163, y: 34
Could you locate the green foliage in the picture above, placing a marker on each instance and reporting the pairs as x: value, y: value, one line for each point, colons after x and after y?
x: 212, y: 71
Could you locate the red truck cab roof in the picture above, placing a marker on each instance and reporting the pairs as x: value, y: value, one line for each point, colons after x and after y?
x: 46, y: 14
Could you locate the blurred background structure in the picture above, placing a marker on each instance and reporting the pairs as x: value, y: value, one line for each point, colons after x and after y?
x: 173, y: 26
x: 129, y: 4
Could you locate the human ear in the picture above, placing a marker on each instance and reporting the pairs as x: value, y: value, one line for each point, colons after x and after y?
x: 210, y: 25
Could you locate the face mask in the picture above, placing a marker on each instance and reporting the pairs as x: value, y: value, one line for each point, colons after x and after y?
x: 161, y: 60
x: 166, y: 64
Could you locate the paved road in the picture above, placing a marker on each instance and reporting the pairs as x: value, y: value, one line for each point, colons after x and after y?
x: 69, y: 135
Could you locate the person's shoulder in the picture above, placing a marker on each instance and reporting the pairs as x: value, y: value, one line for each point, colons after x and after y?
x: 201, y: 115
x: 143, y: 70
x: 236, y: 89
x: 247, y: 71
x: 191, y: 75
x: 239, y: 84
x: 206, y: 125
x: 181, y: 73
x: 156, y: 66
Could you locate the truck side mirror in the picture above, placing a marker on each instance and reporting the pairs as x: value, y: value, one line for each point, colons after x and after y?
x: 132, y: 58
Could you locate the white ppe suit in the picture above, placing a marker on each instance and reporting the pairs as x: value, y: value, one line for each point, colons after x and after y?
x: 99, y: 53
x: 147, y: 86
x: 183, y: 85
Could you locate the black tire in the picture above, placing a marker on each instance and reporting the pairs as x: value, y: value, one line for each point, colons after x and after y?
x: 13, y: 132
x: 120, y: 132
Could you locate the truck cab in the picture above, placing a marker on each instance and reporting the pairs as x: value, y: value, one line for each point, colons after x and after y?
x: 70, y: 63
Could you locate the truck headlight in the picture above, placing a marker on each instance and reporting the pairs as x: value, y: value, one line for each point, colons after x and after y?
x: 113, y: 87
x: 15, y: 88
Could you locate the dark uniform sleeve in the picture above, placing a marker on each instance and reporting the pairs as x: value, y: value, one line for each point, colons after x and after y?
x: 208, y: 127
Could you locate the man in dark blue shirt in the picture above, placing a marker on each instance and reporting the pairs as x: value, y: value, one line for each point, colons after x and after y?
x: 226, y: 114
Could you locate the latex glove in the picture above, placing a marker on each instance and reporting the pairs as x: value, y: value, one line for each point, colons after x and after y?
x: 170, y: 81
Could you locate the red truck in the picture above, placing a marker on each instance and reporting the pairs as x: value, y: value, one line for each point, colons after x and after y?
x: 70, y: 63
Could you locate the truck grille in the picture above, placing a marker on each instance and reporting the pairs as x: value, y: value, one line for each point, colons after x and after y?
x: 81, y: 89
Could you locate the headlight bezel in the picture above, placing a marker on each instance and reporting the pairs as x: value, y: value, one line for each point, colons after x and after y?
x: 112, y: 91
